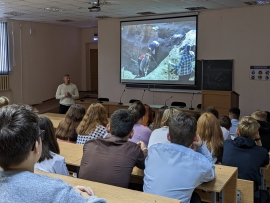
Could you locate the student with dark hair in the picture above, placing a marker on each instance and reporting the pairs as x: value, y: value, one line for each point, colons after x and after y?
x: 183, y: 167
x: 225, y: 124
x: 141, y: 133
x: 244, y: 153
x: 212, y: 110
x: 66, y: 131
x: 50, y: 160
x: 148, y: 119
x: 264, y: 130
x: 20, y: 149
x: 111, y: 160
x: 234, y: 114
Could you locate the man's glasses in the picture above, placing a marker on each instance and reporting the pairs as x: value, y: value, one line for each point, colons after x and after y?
x: 41, y: 135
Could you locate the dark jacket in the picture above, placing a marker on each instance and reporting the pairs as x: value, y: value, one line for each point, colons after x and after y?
x: 265, y: 134
x: 243, y: 153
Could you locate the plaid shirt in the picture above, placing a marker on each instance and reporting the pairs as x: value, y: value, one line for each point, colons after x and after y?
x: 184, y: 66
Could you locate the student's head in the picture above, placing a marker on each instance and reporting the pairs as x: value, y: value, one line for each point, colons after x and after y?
x: 148, y: 117
x: 121, y: 123
x: 248, y: 127
x: 234, y: 113
x: 4, y: 101
x: 67, y: 128
x: 159, y: 117
x: 137, y: 109
x: 225, y: 122
x: 196, y: 116
x: 259, y: 115
x: 66, y: 79
x: 167, y: 115
x: 95, y: 115
x: 208, y: 128
x: 212, y: 110
x: 19, y: 136
x: 49, y: 142
x: 182, y: 129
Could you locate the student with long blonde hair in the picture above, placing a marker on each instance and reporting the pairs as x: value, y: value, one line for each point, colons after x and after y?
x: 66, y: 131
x: 93, y: 124
x: 208, y: 128
x: 160, y: 135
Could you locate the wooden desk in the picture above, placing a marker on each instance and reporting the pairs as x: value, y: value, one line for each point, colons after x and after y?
x: 55, y: 118
x: 113, y: 106
x: 111, y: 193
x: 72, y: 153
x: 225, y: 183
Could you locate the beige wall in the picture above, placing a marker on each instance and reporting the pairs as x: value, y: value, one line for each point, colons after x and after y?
x: 41, y: 60
x: 241, y: 34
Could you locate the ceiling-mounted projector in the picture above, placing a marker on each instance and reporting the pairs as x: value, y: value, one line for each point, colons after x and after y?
x: 95, y: 7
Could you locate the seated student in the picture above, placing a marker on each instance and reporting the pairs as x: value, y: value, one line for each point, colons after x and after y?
x: 4, y: 101
x: 93, y: 124
x: 212, y: 110
x: 234, y: 114
x: 50, y: 160
x: 209, y: 129
x: 20, y: 149
x: 264, y: 130
x: 156, y: 124
x: 160, y: 135
x: 111, y: 160
x: 148, y: 118
x: 225, y: 124
x: 141, y: 133
x: 243, y: 153
x: 66, y: 131
x: 174, y: 169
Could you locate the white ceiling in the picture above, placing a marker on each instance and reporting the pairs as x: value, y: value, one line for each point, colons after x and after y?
x: 77, y: 10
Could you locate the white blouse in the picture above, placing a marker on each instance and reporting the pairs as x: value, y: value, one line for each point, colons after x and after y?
x: 55, y: 165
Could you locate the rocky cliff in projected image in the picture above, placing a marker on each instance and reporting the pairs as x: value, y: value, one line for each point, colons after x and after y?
x: 159, y: 44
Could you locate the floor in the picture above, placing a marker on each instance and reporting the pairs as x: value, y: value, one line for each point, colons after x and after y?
x: 51, y: 105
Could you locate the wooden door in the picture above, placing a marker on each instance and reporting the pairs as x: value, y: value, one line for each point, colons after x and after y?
x: 94, y: 69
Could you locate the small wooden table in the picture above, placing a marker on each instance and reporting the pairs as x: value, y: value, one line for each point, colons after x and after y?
x: 111, y: 193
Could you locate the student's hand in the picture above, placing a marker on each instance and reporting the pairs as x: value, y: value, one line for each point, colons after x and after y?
x: 197, y: 141
x: 85, y: 192
x: 142, y: 145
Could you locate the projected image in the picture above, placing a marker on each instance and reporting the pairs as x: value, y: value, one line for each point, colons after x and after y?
x: 163, y: 51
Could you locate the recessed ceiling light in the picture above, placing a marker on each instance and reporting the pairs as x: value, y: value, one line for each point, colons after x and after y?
x: 54, y: 9
x: 146, y: 13
x: 65, y: 20
x: 196, y: 8
x: 103, y: 17
x: 14, y: 13
x: 259, y: 2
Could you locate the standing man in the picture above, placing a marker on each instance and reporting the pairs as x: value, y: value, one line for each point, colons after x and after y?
x: 185, y: 65
x: 66, y: 92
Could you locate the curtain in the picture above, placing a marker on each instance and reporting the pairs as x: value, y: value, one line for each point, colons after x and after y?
x: 4, y: 49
